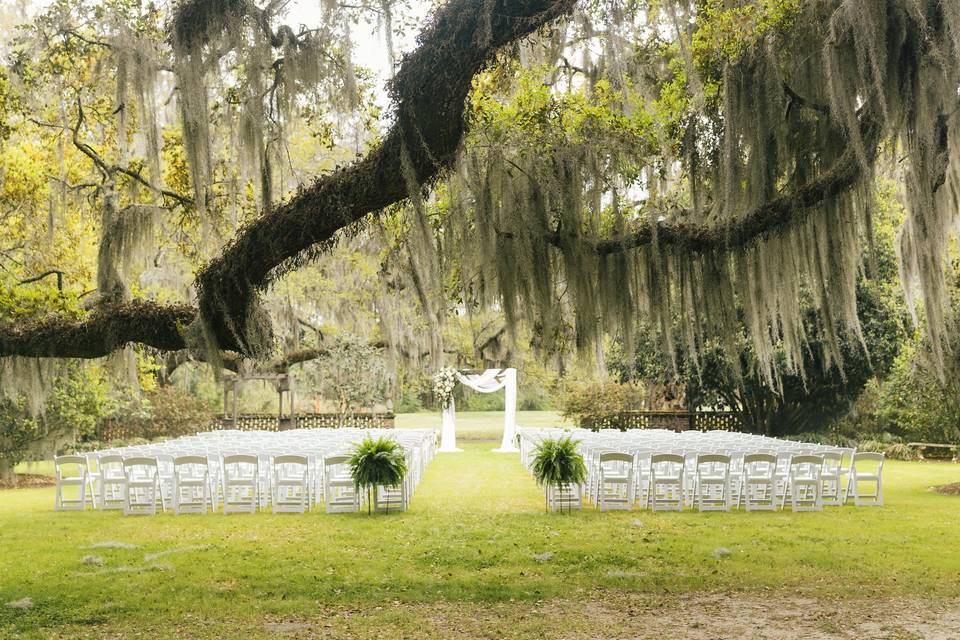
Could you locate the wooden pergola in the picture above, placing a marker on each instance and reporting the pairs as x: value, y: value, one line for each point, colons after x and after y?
x: 282, y: 382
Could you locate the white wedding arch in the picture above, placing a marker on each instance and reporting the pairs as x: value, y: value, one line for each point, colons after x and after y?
x: 489, y: 381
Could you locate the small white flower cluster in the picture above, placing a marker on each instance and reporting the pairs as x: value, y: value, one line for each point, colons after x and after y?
x: 444, y: 381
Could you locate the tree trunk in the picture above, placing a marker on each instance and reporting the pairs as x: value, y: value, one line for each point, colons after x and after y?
x: 7, y: 476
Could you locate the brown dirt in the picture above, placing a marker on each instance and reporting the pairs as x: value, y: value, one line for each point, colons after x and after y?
x: 769, y: 615
x: 29, y: 481
x: 952, y: 489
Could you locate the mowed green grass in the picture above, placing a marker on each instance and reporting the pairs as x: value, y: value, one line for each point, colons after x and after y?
x: 475, y: 537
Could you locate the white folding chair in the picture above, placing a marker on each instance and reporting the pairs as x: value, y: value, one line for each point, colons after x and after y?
x: 831, y: 491
x: 615, y: 481
x: 712, y: 489
x: 290, y: 483
x: 142, y: 486
x: 846, y: 462
x: 93, y: 478
x: 666, y: 482
x: 241, y: 482
x: 565, y: 498
x: 71, y: 473
x: 191, y: 485
x: 758, y: 486
x: 804, y: 483
x: 113, y: 482
x: 165, y: 477
x: 339, y: 491
x: 867, y: 468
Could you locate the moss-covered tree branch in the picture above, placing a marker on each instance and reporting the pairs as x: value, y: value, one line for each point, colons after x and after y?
x: 110, y: 327
x: 430, y: 91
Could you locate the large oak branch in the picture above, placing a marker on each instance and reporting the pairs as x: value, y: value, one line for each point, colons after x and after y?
x: 776, y: 214
x: 108, y: 328
x: 430, y: 91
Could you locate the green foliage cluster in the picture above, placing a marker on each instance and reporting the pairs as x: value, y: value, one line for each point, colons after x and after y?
x: 351, y: 373
x: 557, y: 463
x: 376, y: 463
x: 909, y: 405
x: 163, y: 412
x: 79, y: 399
x: 597, y: 403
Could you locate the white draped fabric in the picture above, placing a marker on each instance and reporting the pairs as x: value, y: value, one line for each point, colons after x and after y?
x: 489, y: 381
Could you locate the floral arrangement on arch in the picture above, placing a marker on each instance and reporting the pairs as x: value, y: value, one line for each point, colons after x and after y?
x: 444, y: 381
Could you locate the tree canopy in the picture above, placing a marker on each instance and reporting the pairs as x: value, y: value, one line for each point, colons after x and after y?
x: 707, y: 166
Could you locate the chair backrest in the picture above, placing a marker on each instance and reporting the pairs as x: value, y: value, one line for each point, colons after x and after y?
x: 807, y: 464
x: 666, y: 464
x: 767, y: 458
x: 291, y: 459
x: 190, y: 465
x: 111, y: 465
x: 713, y: 458
x: 759, y: 465
x: 70, y: 466
x: 140, y: 465
x: 616, y: 456
x: 863, y: 459
x: 847, y: 454
x: 332, y: 461
x: 240, y: 465
x: 832, y: 461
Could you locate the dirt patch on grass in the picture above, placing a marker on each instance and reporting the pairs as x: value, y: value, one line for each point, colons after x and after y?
x: 604, y: 615
x: 29, y: 481
x: 613, y: 615
x: 952, y: 489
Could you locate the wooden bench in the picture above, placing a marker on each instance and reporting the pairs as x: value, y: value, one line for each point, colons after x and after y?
x: 939, y: 451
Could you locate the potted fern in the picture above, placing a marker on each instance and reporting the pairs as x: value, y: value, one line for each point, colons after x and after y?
x: 557, y: 465
x: 376, y: 463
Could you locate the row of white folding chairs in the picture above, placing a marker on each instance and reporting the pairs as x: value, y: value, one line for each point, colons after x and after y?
x: 419, y: 446
x: 763, y: 481
x: 808, y: 481
x: 239, y: 482
x: 836, y: 463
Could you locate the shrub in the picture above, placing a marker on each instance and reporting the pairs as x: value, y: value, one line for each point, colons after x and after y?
x: 900, y: 451
x: 597, y: 405
x: 409, y: 401
x: 915, y: 405
x: 377, y: 462
x: 165, y: 412
x: 77, y: 400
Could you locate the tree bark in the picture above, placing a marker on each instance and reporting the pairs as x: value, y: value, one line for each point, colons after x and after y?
x: 7, y: 476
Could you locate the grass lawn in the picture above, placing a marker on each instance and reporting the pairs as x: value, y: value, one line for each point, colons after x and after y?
x: 475, y: 556
x: 481, y: 425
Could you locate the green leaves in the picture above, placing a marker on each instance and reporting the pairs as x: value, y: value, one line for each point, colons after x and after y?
x: 556, y: 462
x: 378, y: 462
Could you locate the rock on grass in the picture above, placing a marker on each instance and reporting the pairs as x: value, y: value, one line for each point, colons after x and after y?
x: 22, y: 603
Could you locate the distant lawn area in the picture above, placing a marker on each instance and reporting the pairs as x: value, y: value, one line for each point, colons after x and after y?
x: 475, y: 556
x: 482, y: 425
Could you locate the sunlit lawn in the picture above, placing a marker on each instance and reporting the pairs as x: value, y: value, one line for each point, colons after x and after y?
x: 475, y: 538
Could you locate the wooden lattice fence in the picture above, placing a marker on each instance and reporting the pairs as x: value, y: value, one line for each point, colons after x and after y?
x: 673, y: 420
x: 270, y: 422
x: 116, y: 429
